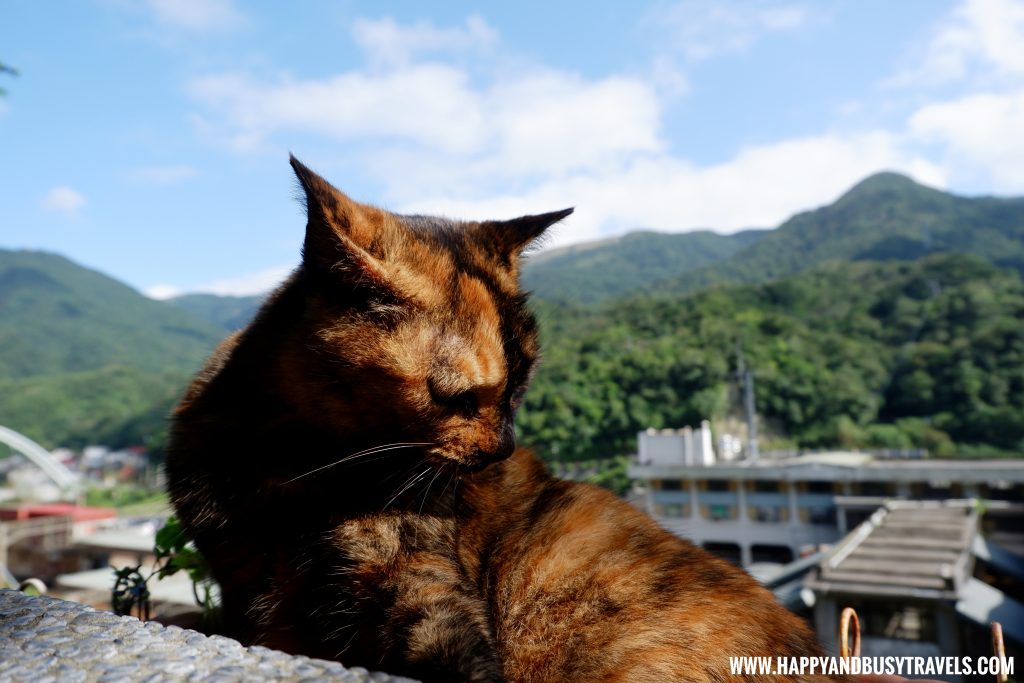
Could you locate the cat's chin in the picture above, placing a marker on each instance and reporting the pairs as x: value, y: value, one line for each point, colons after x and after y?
x: 467, y: 466
x: 476, y: 466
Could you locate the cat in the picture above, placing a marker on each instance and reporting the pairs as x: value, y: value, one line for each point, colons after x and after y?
x: 347, y: 465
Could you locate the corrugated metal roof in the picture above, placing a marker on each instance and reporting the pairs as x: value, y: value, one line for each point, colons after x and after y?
x: 910, y: 548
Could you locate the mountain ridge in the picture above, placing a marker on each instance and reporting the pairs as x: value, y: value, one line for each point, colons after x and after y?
x: 887, y: 216
x: 84, y: 356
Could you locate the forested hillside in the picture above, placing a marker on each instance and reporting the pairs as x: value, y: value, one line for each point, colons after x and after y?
x: 82, y: 355
x: 922, y: 354
x: 228, y: 313
x: 600, y: 271
x: 892, y: 318
x: 56, y: 316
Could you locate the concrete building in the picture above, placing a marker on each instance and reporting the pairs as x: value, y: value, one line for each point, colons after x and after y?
x: 782, y: 505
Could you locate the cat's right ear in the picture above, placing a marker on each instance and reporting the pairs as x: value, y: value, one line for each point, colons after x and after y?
x: 339, y: 231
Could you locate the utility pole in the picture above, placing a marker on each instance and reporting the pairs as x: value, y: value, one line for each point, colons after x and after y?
x: 745, y: 378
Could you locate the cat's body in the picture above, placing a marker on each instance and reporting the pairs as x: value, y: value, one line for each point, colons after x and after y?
x: 346, y: 465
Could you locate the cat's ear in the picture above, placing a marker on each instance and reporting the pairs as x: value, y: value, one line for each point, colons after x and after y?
x: 510, y: 237
x: 340, y: 233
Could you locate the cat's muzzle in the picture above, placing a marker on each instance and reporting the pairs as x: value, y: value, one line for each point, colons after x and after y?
x: 481, y: 458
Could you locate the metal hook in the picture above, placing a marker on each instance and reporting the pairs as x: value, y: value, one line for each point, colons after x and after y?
x: 845, y: 650
x: 999, y: 649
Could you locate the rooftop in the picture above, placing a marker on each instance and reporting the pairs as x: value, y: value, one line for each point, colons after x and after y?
x: 78, y: 513
x: 907, y: 548
x: 844, y: 465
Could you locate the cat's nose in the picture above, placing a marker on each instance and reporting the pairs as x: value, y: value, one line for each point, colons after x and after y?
x: 506, y: 446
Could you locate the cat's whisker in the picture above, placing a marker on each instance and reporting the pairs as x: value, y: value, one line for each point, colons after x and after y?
x: 426, y: 491
x: 369, y: 451
x: 408, y: 486
x: 412, y: 483
x: 404, y: 483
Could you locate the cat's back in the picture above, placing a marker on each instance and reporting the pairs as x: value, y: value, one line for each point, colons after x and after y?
x: 586, y: 587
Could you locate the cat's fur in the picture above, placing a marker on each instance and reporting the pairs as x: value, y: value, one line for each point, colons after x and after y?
x: 459, y: 559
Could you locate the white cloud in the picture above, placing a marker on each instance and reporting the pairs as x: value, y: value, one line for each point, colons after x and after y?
x: 540, y: 121
x: 760, y: 187
x: 199, y: 16
x: 65, y: 200
x: 979, y: 131
x: 247, y: 284
x: 701, y: 29
x: 387, y: 42
x: 978, y: 36
x: 430, y: 105
x: 974, y: 54
x: 552, y: 121
x: 439, y: 138
x: 162, y: 175
x: 687, y: 32
x: 161, y: 292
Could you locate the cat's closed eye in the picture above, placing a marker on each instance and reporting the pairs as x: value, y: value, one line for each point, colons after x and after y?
x: 463, y: 402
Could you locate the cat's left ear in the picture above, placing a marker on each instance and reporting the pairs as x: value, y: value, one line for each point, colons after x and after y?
x: 510, y: 237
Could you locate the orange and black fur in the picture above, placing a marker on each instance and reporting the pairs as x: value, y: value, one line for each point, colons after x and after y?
x: 347, y: 466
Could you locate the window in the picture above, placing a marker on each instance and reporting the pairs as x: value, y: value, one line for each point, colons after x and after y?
x: 876, y: 488
x: 768, y: 513
x: 720, y: 513
x: 891, y: 619
x: 778, y: 554
x: 819, y: 515
x: 670, y: 510
x: 717, y: 485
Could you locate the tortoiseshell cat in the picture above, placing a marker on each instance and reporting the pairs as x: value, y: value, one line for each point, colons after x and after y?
x: 347, y: 466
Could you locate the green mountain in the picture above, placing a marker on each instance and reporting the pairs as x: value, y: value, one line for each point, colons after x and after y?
x: 57, y: 317
x: 861, y: 326
x: 114, y: 405
x: 82, y: 355
x: 226, y: 312
x: 598, y: 271
x: 896, y: 354
x: 886, y: 217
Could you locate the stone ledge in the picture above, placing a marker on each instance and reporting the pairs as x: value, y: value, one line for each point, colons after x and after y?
x: 44, y: 640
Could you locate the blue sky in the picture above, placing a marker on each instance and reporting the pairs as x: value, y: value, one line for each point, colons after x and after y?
x: 149, y: 139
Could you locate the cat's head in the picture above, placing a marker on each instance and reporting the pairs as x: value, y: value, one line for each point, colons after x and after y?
x: 416, y: 328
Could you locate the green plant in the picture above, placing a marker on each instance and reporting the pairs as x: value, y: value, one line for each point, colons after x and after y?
x: 131, y: 592
x: 177, y: 553
x: 174, y: 552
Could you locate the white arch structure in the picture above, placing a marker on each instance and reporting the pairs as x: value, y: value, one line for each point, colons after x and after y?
x: 65, y: 479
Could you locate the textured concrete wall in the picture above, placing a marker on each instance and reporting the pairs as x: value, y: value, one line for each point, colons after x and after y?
x: 43, y: 640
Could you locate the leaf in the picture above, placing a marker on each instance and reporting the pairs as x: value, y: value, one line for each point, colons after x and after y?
x: 170, y: 538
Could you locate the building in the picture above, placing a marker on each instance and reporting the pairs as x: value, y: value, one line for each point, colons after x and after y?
x: 924, y: 581
x: 780, y: 506
x: 36, y: 538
